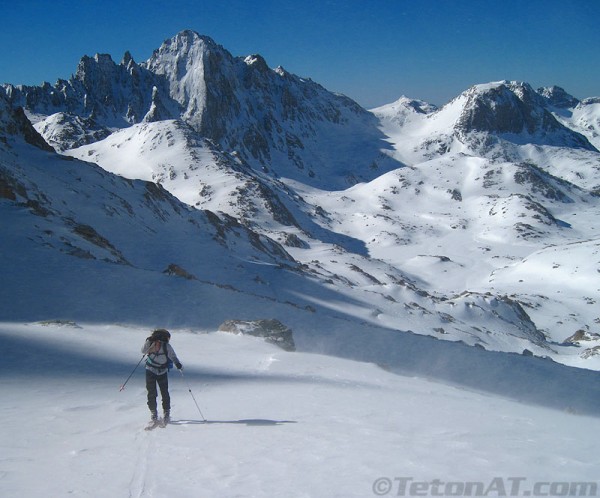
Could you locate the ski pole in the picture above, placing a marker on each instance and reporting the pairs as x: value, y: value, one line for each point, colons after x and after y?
x: 193, y: 397
x: 131, y: 374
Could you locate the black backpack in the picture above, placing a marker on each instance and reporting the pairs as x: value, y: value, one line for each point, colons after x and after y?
x: 159, y: 359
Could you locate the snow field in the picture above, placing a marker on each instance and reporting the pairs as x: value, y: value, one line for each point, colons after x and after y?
x: 279, y: 424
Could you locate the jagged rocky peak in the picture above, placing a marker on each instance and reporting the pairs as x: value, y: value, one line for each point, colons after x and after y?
x: 558, y: 97
x: 127, y: 59
x: 238, y: 103
x: 189, y: 64
x: 89, y: 68
x: 257, y: 62
x: 177, y: 54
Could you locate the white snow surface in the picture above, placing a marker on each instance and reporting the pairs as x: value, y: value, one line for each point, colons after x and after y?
x: 277, y: 424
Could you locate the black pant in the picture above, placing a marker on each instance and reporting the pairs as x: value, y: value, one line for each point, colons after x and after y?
x: 163, y: 383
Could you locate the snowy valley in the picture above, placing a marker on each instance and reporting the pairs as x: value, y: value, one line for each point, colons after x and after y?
x: 439, y: 269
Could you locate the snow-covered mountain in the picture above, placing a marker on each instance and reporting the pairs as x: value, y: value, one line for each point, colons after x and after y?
x: 263, y: 166
x: 273, y: 120
x: 498, y: 120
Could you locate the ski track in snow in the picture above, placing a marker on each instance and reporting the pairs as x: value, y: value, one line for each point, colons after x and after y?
x: 137, y: 486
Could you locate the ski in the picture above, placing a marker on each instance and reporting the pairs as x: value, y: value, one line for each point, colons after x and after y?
x: 153, y: 424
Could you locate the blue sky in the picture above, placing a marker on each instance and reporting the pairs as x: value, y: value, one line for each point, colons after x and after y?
x: 374, y: 51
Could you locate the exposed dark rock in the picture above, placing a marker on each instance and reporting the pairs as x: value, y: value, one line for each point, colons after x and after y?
x: 541, y: 182
x: 13, y: 122
x: 178, y: 271
x: 590, y: 352
x: 581, y: 336
x: 91, y: 235
x: 558, y: 97
x: 292, y: 240
x: 512, y: 109
x: 273, y: 331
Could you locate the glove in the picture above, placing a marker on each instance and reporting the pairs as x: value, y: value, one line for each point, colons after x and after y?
x: 179, y: 366
x: 150, y: 339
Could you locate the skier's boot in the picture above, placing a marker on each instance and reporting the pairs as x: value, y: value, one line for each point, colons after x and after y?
x: 153, y: 416
x: 167, y: 416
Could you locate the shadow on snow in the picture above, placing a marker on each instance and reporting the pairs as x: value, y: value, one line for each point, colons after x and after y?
x: 248, y: 422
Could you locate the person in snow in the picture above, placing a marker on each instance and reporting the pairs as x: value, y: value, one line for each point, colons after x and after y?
x: 160, y: 354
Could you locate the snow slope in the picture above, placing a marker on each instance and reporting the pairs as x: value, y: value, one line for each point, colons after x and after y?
x: 278, y: 424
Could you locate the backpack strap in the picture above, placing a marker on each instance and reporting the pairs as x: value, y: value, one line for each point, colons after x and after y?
x: 169, y: 360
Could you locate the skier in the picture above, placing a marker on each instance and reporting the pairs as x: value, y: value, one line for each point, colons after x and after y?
x: 160, y: 354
